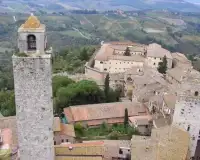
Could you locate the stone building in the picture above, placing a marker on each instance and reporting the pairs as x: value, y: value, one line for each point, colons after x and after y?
x: 63, y: 133
x: 187, y: 111
x: 33, y: 92
x: 110, y: 57
x: 155, y: 54
x: 110, y: 113
x: 80, y: 151
x: 165, y: 143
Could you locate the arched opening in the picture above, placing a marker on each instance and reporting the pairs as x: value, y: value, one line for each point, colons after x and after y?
x: 129, y: 79
x: 31, y: 42
x: 196, y: 93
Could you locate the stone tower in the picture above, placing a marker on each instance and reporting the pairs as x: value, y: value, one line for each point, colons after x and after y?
x: 33, y: 93
x: 187, y: 110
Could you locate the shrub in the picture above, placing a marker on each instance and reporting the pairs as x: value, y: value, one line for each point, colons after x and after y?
x: 114, y: 135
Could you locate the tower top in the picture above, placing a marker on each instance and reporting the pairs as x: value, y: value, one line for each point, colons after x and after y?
x: 32, y: 22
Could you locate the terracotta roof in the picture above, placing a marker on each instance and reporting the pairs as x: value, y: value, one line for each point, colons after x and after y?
x: 170, y: 100
x: 103, y: 111
x: 56, y: 124
x: 156, y: 50
x: 80, y: 149
x: 106, y: 52
x: 180, y: 57
x: 135, y: 58
x: 141, y: 120
x: 7, y: 136
x: 32, y: 22
x: 177, y: 73
x: 166, y: 143
x: 68, y: 129
x: 11, y: 123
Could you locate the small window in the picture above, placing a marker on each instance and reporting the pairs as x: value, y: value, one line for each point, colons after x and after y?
x: 155, y: 58
x: 145, y: 84
x: 101, y: 62
x: 146, y: 126
x: 62, y: 140
x: 196, y: 93
x: 120, y: 151
x: 67, y: 140
x: 105, y: 69
x: 154, y: 64
x: 188, y: 129
x: 193, y: 138
x: 54, y: 142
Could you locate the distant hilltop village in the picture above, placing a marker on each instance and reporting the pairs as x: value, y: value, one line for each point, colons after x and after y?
x: 158, y: 115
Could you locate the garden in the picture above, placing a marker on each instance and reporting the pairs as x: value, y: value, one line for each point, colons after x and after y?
x: 105, y: 131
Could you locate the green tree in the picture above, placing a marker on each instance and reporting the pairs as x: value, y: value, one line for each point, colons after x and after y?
x: 82, y: 92
x: 60, y: 81
x: 79, y: 129
x: 7, y: 103
x: 127, y: 52
x: 162, y: 66
x: 107, y: 87
x: 126, y: 118
x: 84, y: 55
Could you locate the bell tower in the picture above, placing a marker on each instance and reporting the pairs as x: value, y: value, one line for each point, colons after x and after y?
x: 33, y: 92
x: 32, y: 36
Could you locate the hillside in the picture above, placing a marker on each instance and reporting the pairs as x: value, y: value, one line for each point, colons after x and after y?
x: 25, y: 6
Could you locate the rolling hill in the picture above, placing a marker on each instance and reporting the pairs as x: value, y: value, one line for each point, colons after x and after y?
x: 100, y: 5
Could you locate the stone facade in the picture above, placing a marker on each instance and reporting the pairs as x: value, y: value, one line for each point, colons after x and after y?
x: 33, y: 93
x: 34, y: 107
x: 186, y: 114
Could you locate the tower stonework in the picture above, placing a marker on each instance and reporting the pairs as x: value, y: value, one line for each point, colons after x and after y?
x: 187, y: 112
x: 33, y: 96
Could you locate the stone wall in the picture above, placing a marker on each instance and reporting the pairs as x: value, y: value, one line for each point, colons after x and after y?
x: 34, y: 107
x: 186, y: 116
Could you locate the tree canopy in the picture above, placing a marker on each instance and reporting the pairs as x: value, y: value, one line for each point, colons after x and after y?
x: 127, y: 52
x: 162, y: 66
x: 7, y: 103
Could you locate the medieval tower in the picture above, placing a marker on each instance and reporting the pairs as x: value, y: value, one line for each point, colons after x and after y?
x: 187, y: 111
x: 33, y: 92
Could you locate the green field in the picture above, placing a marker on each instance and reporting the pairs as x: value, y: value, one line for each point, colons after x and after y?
x: 91, y: 29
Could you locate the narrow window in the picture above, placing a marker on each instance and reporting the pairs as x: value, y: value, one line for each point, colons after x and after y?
x: 196, y: 93
x: 188, y: 129
x: 31, y: 42
x: 120, y: 151
x: 54, y: 142
x: 62, y: 140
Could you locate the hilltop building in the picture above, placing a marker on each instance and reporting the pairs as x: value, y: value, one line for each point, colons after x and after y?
x: 33, y: 92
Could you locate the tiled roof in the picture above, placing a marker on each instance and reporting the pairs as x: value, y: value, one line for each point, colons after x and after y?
x: 166, y: 143
x: 80, y: 149
x: 170, y: 100
x: 156, y: 50
x: 106, y: 52
x: 141, y: 120
x: 56, y: 124
x: 177, y: 73
x: 180, y: 57
x: 32, y: 22
x: 103, y: 111
x: 11, y: 123
x: 112, y: 147
x: 135, y: 58
x: 68, y: 129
